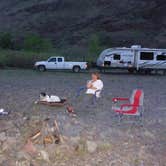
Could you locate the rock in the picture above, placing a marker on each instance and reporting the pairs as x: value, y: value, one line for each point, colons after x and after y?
x: 23, y: 156
x: 75, y: 140
x: 8, y: 162
x: 9, y: 143
x: 23, y: 163
x: 2, y: 136
x: 44, y: 156
x: 91, y: 146
x: 5, y: 125
x: 30, y: 148
x: 149, y: 134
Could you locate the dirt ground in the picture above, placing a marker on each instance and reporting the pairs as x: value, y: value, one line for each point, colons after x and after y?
x: 124, y: 144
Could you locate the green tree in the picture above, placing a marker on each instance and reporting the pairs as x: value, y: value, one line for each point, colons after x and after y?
x: 94, y: 45
x: 6, y: 40
x: 37, y: 43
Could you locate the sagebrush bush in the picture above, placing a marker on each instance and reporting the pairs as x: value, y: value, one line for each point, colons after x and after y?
x: 94, y: 44
x: 20, y: 59
x: 3, y: 60
x: 36, y: 43
x: 6, y: 40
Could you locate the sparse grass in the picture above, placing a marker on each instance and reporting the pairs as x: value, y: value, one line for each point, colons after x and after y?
x: 105, y: 146
x: 26, y: 59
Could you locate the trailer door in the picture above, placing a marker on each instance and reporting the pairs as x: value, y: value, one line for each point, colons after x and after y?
x: 116, y: 58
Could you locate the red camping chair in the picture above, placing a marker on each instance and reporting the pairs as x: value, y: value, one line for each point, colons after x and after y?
x: 134, y: 106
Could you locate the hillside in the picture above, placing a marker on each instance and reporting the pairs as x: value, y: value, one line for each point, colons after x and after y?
x: 69, y: 22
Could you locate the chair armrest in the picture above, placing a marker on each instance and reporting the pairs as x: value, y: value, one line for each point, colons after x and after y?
x: 128, y: 105
x: 120, y: 99
x: 79, y: 90
x: 97, y: 91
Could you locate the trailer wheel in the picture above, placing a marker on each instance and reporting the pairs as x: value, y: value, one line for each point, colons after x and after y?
x: 148, y: 71
x: 164, y: 72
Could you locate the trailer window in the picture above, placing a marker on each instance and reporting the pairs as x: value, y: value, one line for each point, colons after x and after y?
x: 116, y: 57
x: 147, y: 56
x: 161, y: 57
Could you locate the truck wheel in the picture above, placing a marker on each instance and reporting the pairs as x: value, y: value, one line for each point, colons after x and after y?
x: 41, y: 68
x: 76, y: 69
x: 164, y: 72
x: 131, y: 70
x: 148, y: 71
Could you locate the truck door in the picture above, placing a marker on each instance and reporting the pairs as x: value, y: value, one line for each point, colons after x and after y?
x: 60, y: 63
x: 51, y: 63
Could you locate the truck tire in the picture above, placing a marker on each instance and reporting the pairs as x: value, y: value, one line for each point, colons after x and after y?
x: 164, y: 72
x: 76, y: 69
x: 41, y: 68
x: 131, y: 70
x: 148, y: 71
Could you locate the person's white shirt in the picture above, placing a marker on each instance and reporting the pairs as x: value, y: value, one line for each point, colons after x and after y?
x: 98, y: 84
x: 50, y: 99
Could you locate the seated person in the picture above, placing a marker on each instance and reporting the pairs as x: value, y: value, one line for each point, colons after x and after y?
x: 95, y: 85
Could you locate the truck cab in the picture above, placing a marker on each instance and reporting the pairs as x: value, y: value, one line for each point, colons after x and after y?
x: 55, y: 63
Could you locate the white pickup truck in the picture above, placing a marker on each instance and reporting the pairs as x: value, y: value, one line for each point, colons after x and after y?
x: 54, y: 63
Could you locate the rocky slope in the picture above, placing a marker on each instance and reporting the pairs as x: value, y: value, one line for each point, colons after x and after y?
x: 69, y: 22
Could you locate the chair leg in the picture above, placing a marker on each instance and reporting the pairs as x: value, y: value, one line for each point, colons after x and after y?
x: 94, y: 100
x: 141, y: 119
x: 120, y: 118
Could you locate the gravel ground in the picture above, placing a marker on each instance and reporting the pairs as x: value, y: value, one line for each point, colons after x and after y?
x: 131, y: 143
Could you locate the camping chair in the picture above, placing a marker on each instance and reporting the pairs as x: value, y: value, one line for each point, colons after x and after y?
x: 94, y: 97
x: 133, y: 107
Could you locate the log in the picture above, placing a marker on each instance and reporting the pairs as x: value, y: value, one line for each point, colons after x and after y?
x: 36, y: 135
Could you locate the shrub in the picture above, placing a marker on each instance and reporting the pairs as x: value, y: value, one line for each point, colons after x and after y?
x: 37, y: 43
x: 3, y: 60
x: 95, y: 49
x: 94, y: 45
x: 20, y: 59
x: 6, y: 41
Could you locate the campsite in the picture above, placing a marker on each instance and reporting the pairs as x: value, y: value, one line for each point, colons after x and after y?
x: 82, y: 83
x: 94, y: 136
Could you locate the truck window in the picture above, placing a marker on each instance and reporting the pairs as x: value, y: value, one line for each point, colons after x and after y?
x: 116, y: 57
x: 52, y: 60
x: 147, y: 56
x: 59, y: 59
x: 161, y: 58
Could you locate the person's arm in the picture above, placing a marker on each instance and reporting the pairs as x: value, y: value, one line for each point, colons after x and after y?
x: 94, y: 88
x: 89, y: 85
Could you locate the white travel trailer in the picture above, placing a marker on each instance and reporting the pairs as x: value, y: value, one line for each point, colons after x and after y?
x: 134, y: 59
